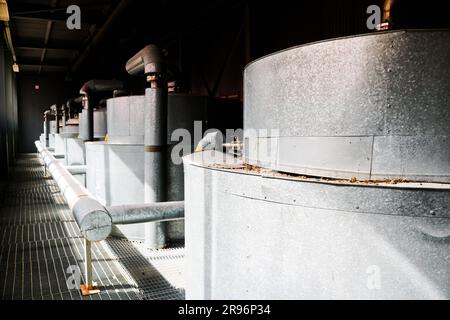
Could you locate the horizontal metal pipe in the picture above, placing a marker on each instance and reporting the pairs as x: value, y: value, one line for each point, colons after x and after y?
x: 95, y: 221
x: 101, y: 85
x: 76, y: 169
x: 91, y: 216
x: 139, y: 213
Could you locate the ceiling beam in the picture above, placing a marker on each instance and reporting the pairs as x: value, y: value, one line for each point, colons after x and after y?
x: 85, y: 20
x: 37, y: 61
x: 55, y: 13
x: 48, y: 31
x: 46, y: 48
x: 52, y: 45
x: 62, y: 68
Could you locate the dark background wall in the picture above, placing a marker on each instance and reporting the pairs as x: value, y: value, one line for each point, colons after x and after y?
x: 32, y: 104
x: 8, y: 113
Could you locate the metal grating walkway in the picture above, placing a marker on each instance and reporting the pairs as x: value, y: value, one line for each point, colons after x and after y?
x: 41, y: 250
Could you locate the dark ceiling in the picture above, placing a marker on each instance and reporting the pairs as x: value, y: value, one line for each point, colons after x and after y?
x: 45, y: 45
x: 113, y: 30
x: 42, y: 41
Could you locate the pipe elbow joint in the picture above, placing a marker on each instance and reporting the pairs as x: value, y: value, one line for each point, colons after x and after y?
x: 149, y: 60
x: 100, y: 85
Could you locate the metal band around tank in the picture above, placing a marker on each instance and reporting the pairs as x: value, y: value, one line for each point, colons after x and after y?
x: 154, y: 148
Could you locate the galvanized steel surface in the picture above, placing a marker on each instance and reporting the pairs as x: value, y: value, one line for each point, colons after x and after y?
x: 251, y: 236
x: 126, y: 120
x: 100, y: 124
x: 139, y: 213
x: 374, y: 106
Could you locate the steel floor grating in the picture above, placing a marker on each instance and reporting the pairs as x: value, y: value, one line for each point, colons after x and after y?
x: 40, y: 247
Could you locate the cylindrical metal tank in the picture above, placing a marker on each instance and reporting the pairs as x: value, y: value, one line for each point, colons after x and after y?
x: 259, y: 235
x: 100, y: 124
x: 368, y: 107
x: 125, y: 118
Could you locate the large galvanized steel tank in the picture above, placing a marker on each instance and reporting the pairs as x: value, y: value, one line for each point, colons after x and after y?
x: 368, y: 107
x: 371, y: 107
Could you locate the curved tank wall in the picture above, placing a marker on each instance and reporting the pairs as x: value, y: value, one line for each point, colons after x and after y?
x: 71, y: 129
x: 100, y: 124
x: 372, y: 107
x: 125, y: 119
x: 257, y: 235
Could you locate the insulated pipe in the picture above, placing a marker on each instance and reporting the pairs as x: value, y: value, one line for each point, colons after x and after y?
x: 55, y: 110
x: 94, y: 220
x: 150, y: 60
x: 96, y: 86
x: 92, y: 217
x: 64, y: 115
x: 47, y: 128
x: 100, y: 85
x: 139, y: 213
x: 76, y: 169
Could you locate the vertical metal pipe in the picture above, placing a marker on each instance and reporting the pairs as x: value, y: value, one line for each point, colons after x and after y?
x: 151, y: 61
x: 57, y: 118
x: 89, y: 287
x: 155, y: 160
x: 88, y: 261
x: 64, y: 115
x: 47, y: 128
x: 89, y: 119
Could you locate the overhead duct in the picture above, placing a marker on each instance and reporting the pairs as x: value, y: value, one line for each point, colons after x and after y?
x: 150, y: 60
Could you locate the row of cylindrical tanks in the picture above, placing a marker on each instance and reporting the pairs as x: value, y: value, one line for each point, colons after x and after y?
x: 343, y: 187
x: 114, y: 160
